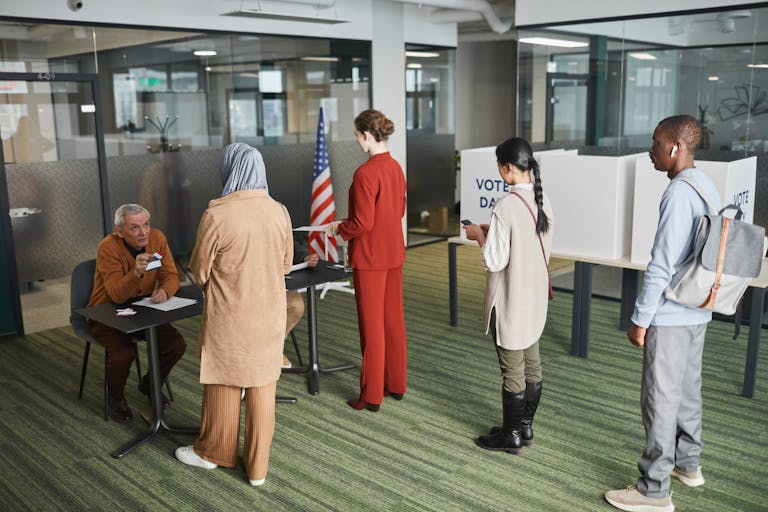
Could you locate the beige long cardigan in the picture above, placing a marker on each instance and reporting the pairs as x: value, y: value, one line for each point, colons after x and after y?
x: 244, y: 248
x: 519, y: 292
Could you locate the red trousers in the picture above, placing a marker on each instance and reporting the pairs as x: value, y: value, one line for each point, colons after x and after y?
x: 379, y: 298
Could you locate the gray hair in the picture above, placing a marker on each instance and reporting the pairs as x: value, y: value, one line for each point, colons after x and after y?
x: 127, y: 209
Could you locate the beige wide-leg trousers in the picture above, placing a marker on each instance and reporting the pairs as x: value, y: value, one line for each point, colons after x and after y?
x: 220, y: 427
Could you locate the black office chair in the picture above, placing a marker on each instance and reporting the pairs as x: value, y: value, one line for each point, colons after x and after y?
x: 81, y: 287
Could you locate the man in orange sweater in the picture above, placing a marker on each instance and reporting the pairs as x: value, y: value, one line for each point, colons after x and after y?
x: 121, y: 276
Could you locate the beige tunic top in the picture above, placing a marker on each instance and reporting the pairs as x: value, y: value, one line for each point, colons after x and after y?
x: 244, y: 248
x: 517, y: 284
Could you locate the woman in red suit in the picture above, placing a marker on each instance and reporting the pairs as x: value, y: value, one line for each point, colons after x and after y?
x: 377, y: 253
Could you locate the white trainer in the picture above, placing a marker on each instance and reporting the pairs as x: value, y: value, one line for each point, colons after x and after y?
x: 689, y: 478
x: 259, y: 482
x: 187, y: 455
x: 631, y: 500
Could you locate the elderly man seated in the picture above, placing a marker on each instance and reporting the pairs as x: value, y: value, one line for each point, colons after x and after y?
x: 121, y: 276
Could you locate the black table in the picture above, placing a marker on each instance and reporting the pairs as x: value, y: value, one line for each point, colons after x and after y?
x: 309, y: 278
x: 147, y: 319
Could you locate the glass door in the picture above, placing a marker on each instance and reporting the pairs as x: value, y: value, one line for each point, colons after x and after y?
x: 566, y: 108
x: 52, y: 167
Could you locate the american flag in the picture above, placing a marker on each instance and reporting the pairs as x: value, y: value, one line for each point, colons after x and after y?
x: 323, y: 209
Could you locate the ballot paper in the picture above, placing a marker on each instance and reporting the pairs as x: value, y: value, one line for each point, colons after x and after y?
x: 311, y: 228
x: 155, y: 263
x: 299, y: 266
x: 169, y: 305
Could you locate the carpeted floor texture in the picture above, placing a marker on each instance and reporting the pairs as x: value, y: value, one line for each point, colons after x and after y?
x: 414, y: 455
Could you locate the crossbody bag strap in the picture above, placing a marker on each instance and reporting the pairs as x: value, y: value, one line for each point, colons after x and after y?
x: 533, y: 216
x: 541, y: 243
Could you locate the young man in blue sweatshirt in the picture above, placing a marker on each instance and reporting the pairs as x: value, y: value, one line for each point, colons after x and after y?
x: 671, y: 334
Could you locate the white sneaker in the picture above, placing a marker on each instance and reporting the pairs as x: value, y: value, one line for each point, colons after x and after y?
x: 187, y: 455
x: 242, y: 394
x: 631, y: 500
x: 286, y: 363
x: 689, y: 478
x: 257, y: 483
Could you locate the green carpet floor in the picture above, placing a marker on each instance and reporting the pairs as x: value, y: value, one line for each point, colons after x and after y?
x: 414, y: 455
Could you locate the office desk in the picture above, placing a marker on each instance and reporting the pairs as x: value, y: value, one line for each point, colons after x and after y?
x: 309, y: 278
x: 147, y: 319
x: 582, y: 302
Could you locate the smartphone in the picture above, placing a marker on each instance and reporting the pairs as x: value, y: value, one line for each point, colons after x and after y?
x: 466, y: 222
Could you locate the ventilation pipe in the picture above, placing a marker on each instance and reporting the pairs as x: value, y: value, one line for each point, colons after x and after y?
x: 440, y: 16
x: 479, y: 6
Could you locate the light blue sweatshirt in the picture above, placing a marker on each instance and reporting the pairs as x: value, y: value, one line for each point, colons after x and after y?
x: 679, y: 213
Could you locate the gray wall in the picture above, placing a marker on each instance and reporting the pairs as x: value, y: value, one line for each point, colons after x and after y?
x: 486, y: 93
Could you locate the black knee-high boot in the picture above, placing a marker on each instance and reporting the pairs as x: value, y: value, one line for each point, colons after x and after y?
x: 532, y: 397
x: 508, y: 439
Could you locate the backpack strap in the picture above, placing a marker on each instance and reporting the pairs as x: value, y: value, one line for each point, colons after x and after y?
x: 695, y: 186
x: 710, y: 300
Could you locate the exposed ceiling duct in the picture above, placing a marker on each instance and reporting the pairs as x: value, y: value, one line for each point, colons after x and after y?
x: 482, y: 7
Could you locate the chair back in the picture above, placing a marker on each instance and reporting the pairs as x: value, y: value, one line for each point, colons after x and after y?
x: 81, y: 287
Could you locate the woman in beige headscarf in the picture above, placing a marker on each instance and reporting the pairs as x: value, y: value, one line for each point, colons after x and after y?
x: 244, y: 248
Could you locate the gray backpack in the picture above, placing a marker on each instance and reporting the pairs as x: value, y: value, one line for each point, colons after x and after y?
x: 727, y: 254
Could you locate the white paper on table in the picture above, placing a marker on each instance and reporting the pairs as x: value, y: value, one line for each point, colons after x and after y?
x: 169, y: 305
x: 311, y: 228
x: 299, y: 266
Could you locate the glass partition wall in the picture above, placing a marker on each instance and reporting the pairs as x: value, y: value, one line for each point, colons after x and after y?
x: 429, y: 104
x: 166, y: 102
x: 602, y: 87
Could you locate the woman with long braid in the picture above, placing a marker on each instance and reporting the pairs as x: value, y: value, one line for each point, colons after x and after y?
x: 515, y: 248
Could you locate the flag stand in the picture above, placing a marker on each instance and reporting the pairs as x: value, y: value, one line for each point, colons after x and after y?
x: 340, y: 286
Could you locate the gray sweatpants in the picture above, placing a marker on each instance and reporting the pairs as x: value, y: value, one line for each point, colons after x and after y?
x: 670, y: 402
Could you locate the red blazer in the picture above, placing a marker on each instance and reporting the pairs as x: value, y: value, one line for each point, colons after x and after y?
x: 376, y: 207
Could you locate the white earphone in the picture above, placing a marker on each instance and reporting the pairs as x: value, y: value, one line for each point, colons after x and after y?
x: 674, y: 150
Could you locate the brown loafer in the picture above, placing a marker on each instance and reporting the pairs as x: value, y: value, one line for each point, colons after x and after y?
x: 119, y: 411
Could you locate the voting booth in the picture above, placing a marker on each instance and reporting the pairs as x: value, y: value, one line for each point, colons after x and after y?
x: 592, y: 199
x: 481, y: 184
x: 734, y: 180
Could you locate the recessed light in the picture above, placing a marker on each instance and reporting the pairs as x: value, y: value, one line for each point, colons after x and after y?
x: 545, y: 41
x: 642, y: 56
x: 414, y: 65
x: 205, y: 53
x: 422, y: 54
x: 713, y: 78
x: 758, y: 66
x: 321, y: 59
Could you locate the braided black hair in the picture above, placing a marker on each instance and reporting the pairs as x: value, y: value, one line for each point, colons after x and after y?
x: 518, y: 152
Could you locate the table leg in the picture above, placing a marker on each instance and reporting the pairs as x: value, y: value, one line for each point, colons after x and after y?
x: 629, y: 286
x: 313, y: 368
x: 158, y: 421
x: 753, y: 346
x: 314, y: 365
x: 453, y: 298
x: 582, y: 305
